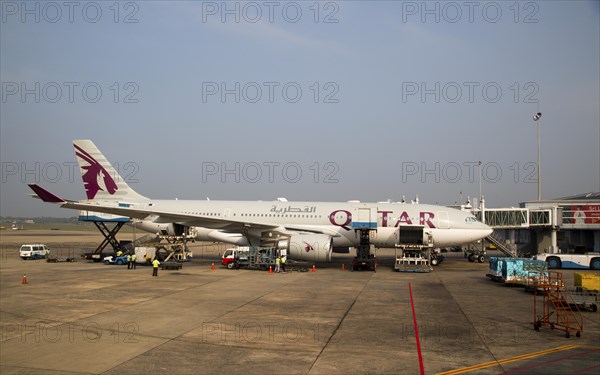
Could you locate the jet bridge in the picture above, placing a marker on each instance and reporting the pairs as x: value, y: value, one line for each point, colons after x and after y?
x: 517, y: 218
x: 546, y: 218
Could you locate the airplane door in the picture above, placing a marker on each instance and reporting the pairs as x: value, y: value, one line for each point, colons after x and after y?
x: 443, y: 221
x: 227, y: 213
x: 364, y: 217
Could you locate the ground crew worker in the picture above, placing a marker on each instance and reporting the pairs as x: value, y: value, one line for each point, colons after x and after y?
x: 128, y: 261
x: 283, y: 260
x: 277, y: 262
x: 133, y: 259
x: 155, y: 264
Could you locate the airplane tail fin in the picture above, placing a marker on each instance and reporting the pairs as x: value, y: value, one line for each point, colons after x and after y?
x: 100, y: 179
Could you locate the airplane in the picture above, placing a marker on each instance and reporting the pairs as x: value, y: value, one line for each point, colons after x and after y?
x: 308, y: 230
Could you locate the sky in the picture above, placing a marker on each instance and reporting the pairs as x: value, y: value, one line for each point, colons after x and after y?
x: 311, y: 101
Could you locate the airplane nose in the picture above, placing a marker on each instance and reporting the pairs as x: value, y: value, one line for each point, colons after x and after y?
x: 487, y: 230
x: 483, y: 230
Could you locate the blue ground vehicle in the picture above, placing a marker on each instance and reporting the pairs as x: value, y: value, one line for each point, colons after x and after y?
x: 122, y: 259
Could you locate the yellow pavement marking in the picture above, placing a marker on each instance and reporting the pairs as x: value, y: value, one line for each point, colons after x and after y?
x: 513, y: 359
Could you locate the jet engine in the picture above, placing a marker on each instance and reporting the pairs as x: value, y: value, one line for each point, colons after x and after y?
x: 311, y: 247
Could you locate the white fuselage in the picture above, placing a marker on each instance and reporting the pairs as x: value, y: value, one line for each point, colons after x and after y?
x: 309, y: 230
x: 447, y: 226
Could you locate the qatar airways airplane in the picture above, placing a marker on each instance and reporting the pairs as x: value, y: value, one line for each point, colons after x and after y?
x: 309, y: 230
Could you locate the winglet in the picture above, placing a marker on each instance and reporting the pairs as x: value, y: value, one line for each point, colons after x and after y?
x: 45, y: 195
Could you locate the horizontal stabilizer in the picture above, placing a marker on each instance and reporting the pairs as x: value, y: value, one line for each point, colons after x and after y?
x: 45, y: 195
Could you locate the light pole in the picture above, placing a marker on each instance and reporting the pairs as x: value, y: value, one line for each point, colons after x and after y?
x: 479, y: 164
x: 481, y: 201
x: 537, y: 118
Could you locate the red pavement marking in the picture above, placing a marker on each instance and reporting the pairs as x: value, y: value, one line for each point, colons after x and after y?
x: 412, y: 305
x: 586, y: 370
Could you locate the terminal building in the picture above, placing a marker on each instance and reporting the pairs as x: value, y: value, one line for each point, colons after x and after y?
x: 562, y: 225
x: 578, y: 222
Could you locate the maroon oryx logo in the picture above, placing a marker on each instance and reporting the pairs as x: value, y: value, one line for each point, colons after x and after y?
x: 95, y: 175
x: 308, y: 247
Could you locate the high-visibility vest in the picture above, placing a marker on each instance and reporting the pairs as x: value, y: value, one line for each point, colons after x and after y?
x: 133, y: 258
x: 283, y: 259
x: 155, y: 263
x: 128, y: 258
x: 277, y: 260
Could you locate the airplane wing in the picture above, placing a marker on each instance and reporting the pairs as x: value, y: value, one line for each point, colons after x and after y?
x: 224, y: 224
x: 147, y: 213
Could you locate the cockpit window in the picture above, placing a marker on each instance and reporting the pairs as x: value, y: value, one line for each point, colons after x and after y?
x: 470, y: 219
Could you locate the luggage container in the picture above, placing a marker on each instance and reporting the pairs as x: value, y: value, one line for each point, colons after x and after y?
x: 496, y: 264
x: 516, y: 270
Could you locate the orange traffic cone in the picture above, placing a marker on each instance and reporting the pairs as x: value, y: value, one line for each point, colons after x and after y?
x: 343, y: 267
x: 24, y: 279
x: 212, y: 267
x: 314, y: 269
x: 270, y: 269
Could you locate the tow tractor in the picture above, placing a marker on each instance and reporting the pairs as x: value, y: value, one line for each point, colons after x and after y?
x: 121, y: 259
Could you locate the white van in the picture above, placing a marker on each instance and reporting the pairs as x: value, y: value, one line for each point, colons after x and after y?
x: 36, y: 251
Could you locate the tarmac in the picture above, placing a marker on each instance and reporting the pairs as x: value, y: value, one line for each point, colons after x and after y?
x: 91, y: 318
